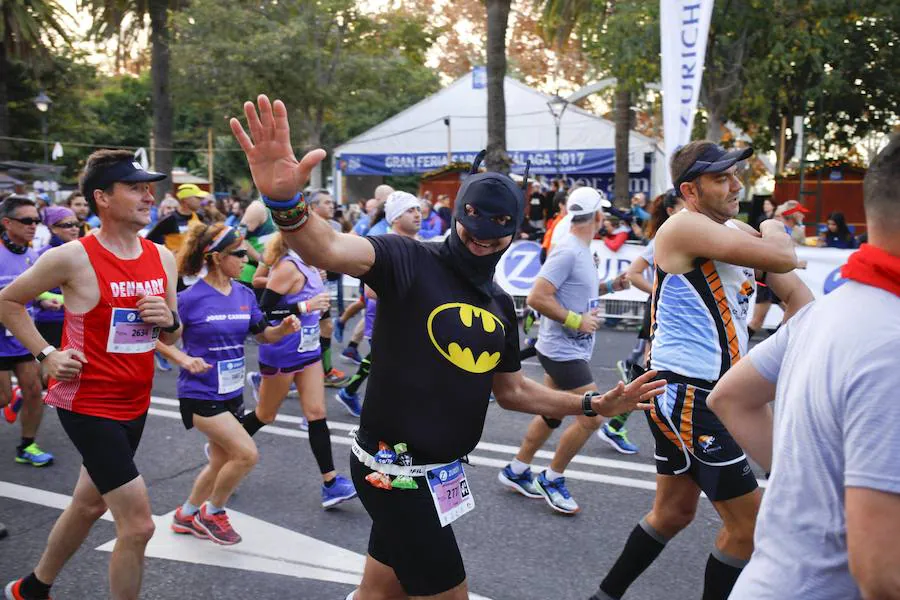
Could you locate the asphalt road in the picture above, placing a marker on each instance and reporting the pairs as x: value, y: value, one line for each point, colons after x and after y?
x: 514, y: 548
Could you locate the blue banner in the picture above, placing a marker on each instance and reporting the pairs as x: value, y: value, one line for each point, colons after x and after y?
x: 543, y: 162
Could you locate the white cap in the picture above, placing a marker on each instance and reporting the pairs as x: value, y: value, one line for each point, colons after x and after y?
x: 586, y: 201
x: 397, y: 204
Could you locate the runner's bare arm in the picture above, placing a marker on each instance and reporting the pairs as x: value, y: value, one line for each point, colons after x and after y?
x: 279, y: 176
x: 688, y: 236
x: 792, y: 291
x: 168, y: 262
x: 516, y: 392
x: 542, y: 298
x: 635, y: 274
x: 52, y: 270
x: 741, y: 399
x: 873, y: 541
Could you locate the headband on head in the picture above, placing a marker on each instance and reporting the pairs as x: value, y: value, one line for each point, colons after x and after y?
x: 227, y: 237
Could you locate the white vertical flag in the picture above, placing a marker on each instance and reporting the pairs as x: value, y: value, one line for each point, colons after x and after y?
x: 684, y: 26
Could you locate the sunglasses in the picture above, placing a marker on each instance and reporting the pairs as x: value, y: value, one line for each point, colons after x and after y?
x: 239, y: 253
x: 71, y: 225
x: 26, y: 220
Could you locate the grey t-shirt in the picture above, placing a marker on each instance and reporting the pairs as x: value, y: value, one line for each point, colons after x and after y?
x: 570, y: 268
x: 837, y: 425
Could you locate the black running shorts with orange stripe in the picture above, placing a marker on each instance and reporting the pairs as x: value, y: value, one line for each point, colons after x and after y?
x: 690, y: 440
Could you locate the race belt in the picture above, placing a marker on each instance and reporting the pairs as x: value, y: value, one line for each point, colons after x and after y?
x: 391, y: 469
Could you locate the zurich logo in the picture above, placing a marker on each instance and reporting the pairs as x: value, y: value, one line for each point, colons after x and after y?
x: 519, y: 266
x: 833, y: 281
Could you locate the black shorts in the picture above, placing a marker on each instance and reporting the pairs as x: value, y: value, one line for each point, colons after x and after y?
x: 644, y: 333
x: 567, y: 374
x: 8, y: 363
x: 690, y: 440
x: 106, y: 446
x: 51, y: 331
x: 209, y: 408
x: 407, y: 536
x: 765, y: 294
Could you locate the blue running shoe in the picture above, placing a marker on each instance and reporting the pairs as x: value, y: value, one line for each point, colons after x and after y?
x: 254, y: 379
x: 33, y: 455
x: 617, y: 439
x: 352, y: 354
x: 161, y: 363
x: 350, y: 402
x: 524, y: 483
x: 340, y: 491
x: 304, y: 424
x: 338, y: 333
x: 556, y: 494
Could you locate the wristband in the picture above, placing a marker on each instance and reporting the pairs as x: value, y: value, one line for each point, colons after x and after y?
x: 586, y: 407
x: 573, y: 320
x: 289, y: 215
x: 51, y: 296
x: 304, y: 308
x: 174, y: 326
x: 609, y: 286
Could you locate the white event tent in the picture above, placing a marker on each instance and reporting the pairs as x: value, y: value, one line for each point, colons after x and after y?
x: 417, y: 139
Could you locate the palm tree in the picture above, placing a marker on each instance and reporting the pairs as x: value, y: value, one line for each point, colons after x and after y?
x: 119, y: 19
x: 22, y: 23
x: 497, y: 18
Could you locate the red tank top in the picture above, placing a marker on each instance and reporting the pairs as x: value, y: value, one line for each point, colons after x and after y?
x: 115, y: 383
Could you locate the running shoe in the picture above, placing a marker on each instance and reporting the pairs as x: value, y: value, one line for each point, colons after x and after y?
x: 254, y: 379
x: 161, y: 363
x: 338, y: 333
x: 617, y: 439
x: 216, y: 527
x: 304, y: 424
x: 341, y: 491
x: 182, y: 523
x: 624, y: 369
x: 524, y: 483
x: 13, y: 591
x: 556, y: 494
x: 11, y: 410
x: 352, y: 354
x: 350, y: 402
x: 33, y: 455
x: 336, y: 379
x: 3, y: 532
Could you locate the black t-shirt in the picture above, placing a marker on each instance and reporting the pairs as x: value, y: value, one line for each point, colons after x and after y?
x: 436, y: 344
x: 536, y: 207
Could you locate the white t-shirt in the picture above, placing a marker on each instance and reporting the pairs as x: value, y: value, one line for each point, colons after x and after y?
x: 837, y: 425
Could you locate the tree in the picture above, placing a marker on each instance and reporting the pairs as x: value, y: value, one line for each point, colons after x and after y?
x: 110, y: 19
x: 23, y: 25
x: 497, y: 16
x: 338, y: 70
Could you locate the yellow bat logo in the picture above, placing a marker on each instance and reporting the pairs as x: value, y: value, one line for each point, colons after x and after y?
x: 478, y: 325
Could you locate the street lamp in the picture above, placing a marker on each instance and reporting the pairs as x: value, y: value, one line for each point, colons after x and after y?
x: 557, y: 106
x: 42, y: 102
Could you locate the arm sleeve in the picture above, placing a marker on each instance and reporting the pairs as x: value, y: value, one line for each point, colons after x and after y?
x: 871, y: 421
x: 558, y: 266
x: 258, y: 322
x: 510, y: 361
x: 396, y: 263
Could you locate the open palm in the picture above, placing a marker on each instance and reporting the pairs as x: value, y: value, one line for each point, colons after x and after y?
x: 276, y: 171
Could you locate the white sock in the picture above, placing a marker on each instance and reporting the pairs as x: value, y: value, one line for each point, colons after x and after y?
x: 212, y: 509
x: 518, y: 467
x: 352, y: 594
x: 189, y: 509
x: 551, y: 474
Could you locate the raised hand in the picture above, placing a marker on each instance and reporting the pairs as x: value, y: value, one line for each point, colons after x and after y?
x: 276, y: 171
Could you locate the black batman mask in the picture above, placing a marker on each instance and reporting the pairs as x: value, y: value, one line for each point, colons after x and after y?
x: 489, y: 206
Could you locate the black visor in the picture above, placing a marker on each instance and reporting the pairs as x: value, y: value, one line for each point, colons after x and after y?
x: 714, y: 159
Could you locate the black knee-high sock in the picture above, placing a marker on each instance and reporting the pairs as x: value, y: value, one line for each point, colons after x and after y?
x: 360, y: 376
x: 325, y: 342
x: 320, y: 442
x: 643, y: 546
x: 722, y: 572
x: 251, y: 423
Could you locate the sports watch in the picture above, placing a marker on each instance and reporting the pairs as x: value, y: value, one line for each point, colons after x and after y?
x: 40, y: 356
x: 586, y: 407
